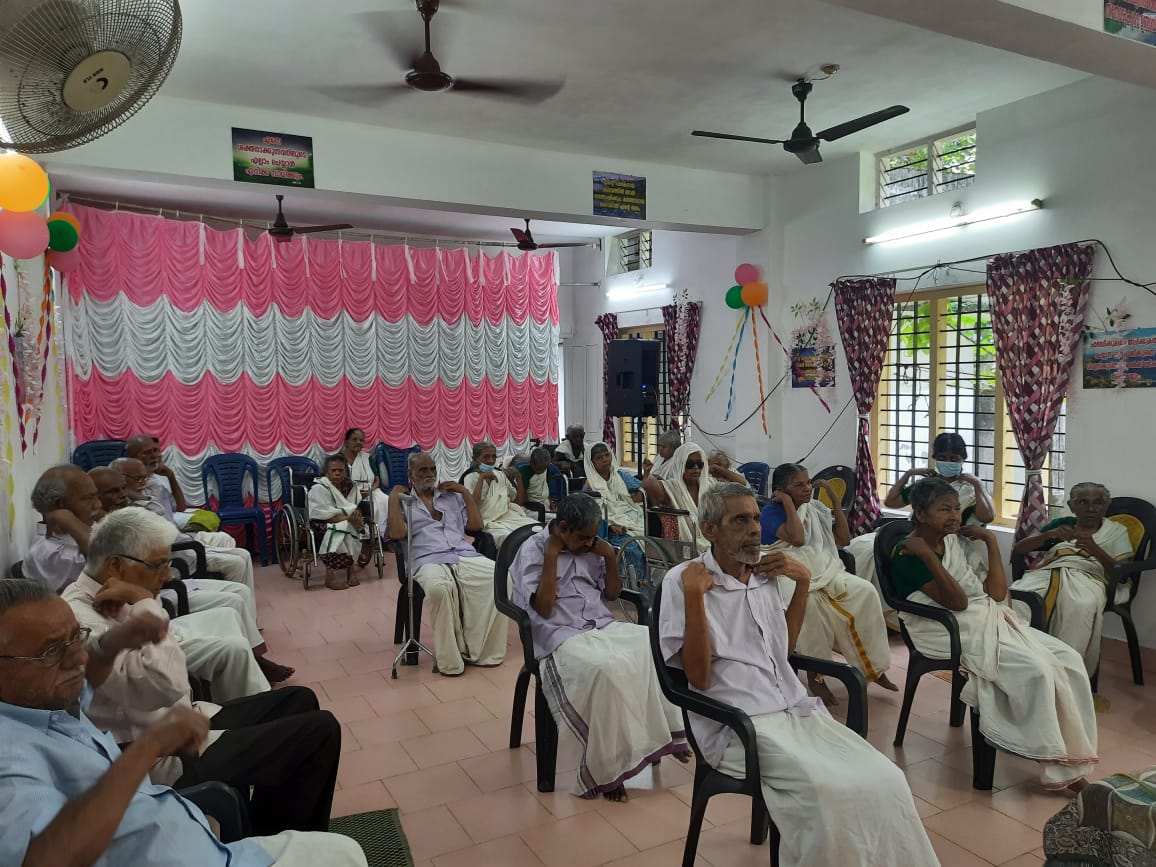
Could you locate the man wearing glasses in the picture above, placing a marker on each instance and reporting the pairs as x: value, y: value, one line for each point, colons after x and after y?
x: 65, y: 785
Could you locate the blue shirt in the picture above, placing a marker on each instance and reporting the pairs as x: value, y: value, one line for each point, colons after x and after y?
x: 48, y: 758
x: 774, y: 516
x: 633, y: 483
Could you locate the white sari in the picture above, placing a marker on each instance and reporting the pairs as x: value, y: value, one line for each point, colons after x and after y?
x: 1031, y: 689
x: 361, y: 472
x: 326, y: 502
x: 680, y: 496
x: 1074, y: 589
x: 843, y: 611
x: 500, y: 514
x: 620, y: 508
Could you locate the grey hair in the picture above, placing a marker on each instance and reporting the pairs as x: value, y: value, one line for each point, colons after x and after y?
x: 129, y: 532
x: 670, y: 438
x: 720, y: 456
x: 15, y: 592
x: 575, y: 428
x: 121, y: 463
x: 52, y: 486
x: 599, y: 448
x: 482, y: 446
x: 413, y: 456
x: 135, y: 444
x: 712, y: 503
x: 1089, y: 486
x: 540, y: 454
x: 579, y: 511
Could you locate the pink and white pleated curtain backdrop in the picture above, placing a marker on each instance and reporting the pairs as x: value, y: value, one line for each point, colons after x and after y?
x: 216, y: 342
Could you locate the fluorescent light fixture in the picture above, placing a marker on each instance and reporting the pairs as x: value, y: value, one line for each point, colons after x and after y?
x: 625, y: 292
x: 940, y: 225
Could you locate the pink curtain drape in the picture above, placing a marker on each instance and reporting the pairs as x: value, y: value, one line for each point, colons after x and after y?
x: 608, y: 324
x: 865, y: 310
x: 1037, y: 304
x: 682, y: 322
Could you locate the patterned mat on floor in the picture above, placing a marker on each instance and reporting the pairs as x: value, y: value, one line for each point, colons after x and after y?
x: 380, y: 834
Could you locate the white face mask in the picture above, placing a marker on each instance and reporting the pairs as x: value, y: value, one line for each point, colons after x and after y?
x: 948, y: 469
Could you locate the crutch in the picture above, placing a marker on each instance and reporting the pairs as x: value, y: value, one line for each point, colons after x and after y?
x: 411, y: 642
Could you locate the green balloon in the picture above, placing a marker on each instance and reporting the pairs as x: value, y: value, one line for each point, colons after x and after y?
x: 62, y: 236
x: 735, y: 298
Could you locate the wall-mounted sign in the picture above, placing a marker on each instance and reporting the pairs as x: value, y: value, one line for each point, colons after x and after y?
x: 619, y: 196
x: 1132, y: 19
x: 1122, y: 359
x: 272, y: 158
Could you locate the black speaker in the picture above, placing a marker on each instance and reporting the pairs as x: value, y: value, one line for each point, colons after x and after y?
x: 633, y: 386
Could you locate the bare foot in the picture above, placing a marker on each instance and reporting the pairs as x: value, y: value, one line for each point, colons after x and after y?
x: 617, y: 795
x: 884, y: 682
x: 333, y: 582
x: 274, y: 672
x: 683, y: 756
x: 821, y: 691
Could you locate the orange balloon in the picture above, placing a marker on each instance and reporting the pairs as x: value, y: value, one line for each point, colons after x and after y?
x: 67, y: 218
x: 755, y: 294
x: 23, y: 184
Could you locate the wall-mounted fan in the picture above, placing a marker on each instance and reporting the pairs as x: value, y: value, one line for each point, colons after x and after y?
x: 803, y: 143
x: 526, y: 241
x: 282, y: 231
x: 73, y: 70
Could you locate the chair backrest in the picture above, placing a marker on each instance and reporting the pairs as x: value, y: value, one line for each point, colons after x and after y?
x: 843, y: 480
x: 671, y: 680
x: 886, y: 539
x: 393, y: 464
x: 757, y: 474
x: 97, y: 453
x: 289, y: 471
x: 229, y: 473
x: 16, y: 570
x: 502, y: 601
x: 1139, y: 518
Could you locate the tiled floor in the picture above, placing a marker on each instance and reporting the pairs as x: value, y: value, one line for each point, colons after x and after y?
x: 437, y: 749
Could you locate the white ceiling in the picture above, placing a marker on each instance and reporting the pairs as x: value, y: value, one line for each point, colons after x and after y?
x: 640, y: 74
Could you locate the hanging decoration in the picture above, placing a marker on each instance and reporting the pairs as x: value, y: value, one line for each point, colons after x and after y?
x: 24, y: 184
x: 812, y: 347
x: 28, y: 349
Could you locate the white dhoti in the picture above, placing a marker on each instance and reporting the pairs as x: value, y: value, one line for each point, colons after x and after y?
x: 311, y: 848
x: 207, y: 594
x: 218, y: 651
x: 834, y: 798
x: 601, y: 685
x: 465, y: 621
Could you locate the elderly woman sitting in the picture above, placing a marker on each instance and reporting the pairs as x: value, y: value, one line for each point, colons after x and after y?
x: 685, y: 485
x: 499, y: 497
x: 333, y: 502
x: 623, y: 510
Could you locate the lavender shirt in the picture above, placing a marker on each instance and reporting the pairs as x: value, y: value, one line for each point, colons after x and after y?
x: 579, y: 606
x: 441, y: 541
x: 748, y: 636
x: 54, y: 560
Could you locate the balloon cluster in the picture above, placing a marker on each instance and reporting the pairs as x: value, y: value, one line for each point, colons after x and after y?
x: 749, y: 289
x: 24, y: 189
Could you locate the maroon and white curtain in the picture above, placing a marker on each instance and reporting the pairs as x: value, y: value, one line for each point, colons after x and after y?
x: 608, y: 324
x: 865, y: 310
x: 683, y: 323
x: 1037, y: 306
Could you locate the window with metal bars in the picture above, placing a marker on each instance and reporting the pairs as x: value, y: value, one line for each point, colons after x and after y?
x: 940, y: 375
x: 926, y: 168
x: 634, y: 251
x: 648, y: 429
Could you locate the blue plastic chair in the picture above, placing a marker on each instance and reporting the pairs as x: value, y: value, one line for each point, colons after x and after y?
x: 757, y: 475
x: 395, y: 461
x: 97, y: 453
x: 229, y: 472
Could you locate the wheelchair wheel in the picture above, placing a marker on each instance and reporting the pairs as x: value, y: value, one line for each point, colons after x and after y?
x: 287, y: 541
x: 642, y: 564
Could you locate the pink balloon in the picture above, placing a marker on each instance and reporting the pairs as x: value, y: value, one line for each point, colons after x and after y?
x: 65, y: 262
x: 747, y: 273
x: 23, y: 234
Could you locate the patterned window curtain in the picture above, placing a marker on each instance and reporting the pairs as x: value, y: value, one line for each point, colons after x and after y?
x: 1037, y: 306
x: 608, y: 324
x: 865, y: 310
x: 683, y: 323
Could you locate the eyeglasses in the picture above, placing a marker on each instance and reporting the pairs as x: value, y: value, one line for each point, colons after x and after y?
x: 55, y: 654
x: 152, y: 567
x: 695, y: 465
x: 143, y: 478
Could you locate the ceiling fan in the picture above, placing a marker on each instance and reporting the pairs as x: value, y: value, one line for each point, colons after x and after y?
x: 526, y: 241
x: 803, y: 143
x: 282, y: 231
x: 425, y: 73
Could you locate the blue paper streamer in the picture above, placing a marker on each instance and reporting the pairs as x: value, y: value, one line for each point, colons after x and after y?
x: 735, y: 361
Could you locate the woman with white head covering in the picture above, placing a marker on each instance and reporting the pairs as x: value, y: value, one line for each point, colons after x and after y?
x: 681, y: 490
x: 623, y: 514
x: 499, y: 499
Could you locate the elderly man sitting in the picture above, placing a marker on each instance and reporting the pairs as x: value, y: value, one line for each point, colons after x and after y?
x: 221, y: 552
x: 834, y: 798
x: 66, y: 498
x: 277, y: 741
x: 70, y: 796
x: 161, y: 484
x: 570, y: 455
x: 458, y: 582
x: 203, y: 593
x: 213, y: 639
x: 597, y: 672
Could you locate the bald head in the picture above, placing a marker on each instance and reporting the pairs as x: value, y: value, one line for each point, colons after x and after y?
x: 135, y: 473
x: 145, y: 449
x: 110, y: 487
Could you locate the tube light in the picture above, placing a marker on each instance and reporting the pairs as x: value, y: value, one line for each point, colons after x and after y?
x: 632, y: 291
x: 983, y: 215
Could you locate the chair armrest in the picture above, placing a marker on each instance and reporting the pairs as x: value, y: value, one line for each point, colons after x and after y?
x: 484, y: 544
x: 1018, y: 563
x: 198, y: 550
x: 635, y: 599
x: 851, y: 678
x: 539, y: 508
x: 222, y: 803
x: 728, y: 715
x: 667, y: 510
x: 940, y: 615
x: 1034, y: 603
x: 178, y: 587
x: 1128, y: 572
x: 848, y: 560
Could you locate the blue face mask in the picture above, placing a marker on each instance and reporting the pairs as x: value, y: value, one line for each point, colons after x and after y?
x: 486, y: 468
x: 948, y: 469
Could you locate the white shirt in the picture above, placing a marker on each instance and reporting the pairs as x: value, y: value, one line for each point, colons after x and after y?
x: 750, y: 668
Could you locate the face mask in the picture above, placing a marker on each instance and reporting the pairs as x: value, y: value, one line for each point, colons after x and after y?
x: 948, y: 469
x: 486, y: 468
